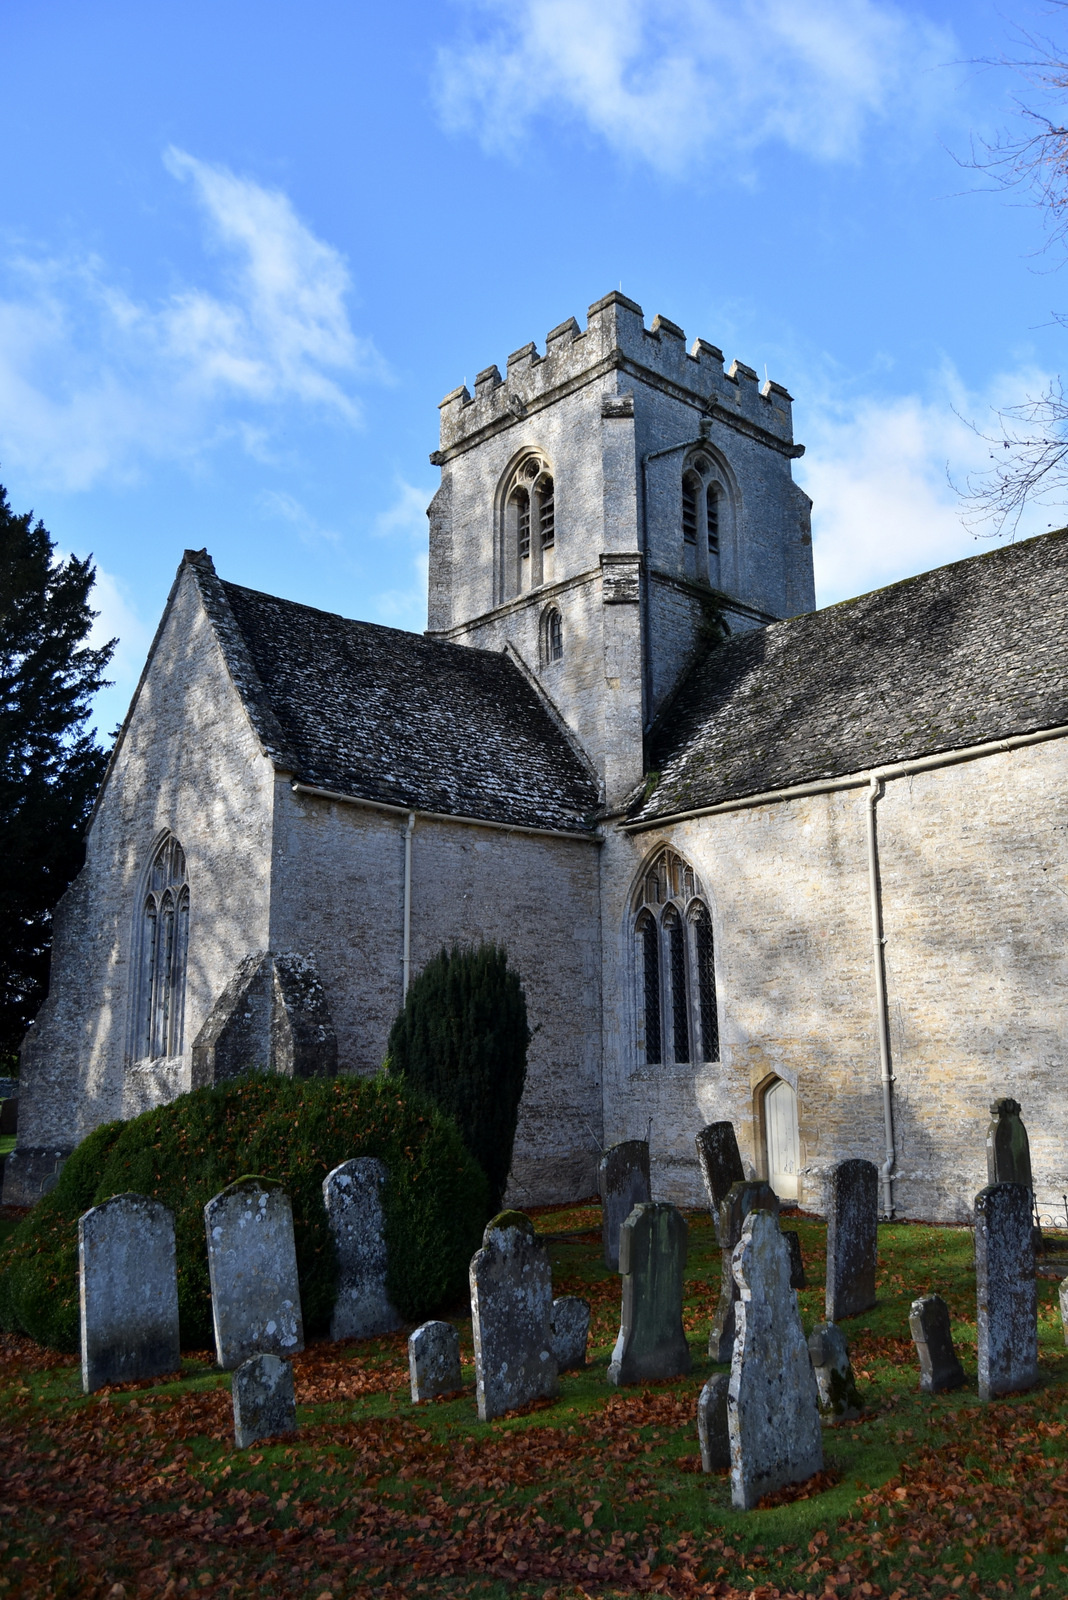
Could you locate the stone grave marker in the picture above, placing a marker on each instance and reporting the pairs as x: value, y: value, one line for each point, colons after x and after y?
x: 434, y: 1361
x: 797, y: 1262
x: 252, y: 1260
x: 939, y: 1366
x: 1008, y: 1150
x: 1063, y: 1296
x: 835, y: 1383
x: 1007, y: 1296
x: 741, y: 1199
x: 623, y: 1177
x: 357, y: 1224
x: 712, y: 1430
x: 772, y: 1403
x: 721, y: 1164
x: 511, y: 1310
x: 127, y: 1291
x: 264, y: 1403
x: 852, y: 1239
x: 569, y: 1326
x: 652, y: 1259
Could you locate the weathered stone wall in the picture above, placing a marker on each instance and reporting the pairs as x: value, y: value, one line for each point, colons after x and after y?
x: 975, y: 904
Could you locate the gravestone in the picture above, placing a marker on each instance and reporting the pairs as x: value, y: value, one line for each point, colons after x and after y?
x: 264, y: 1403
x: 252, y: 1260
x: 772, y: 1403
x: 797, y: 1262
x: 511, y: 1309
x: 1007, y: 1296
x: 434, y: 1361
x: 712, y: 1430
x: 835, y: 1382
x: 721, y: 1164
x: 623, y: 1178
x: 1064, y: 1308
x: 741, y: 1199
x: 128, y: 1291
x: 652, y: 1259
x: 271, y: 1017
x: 1008, y: 1150
x: 569, y: 1327
x: 354, y: 1214
x: 852, y: 1239
x: 939, y: 1367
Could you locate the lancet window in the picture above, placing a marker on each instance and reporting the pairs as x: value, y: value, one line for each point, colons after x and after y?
x: 552, y: 636
x: 676, y: 964
x: 528, y: 534
x: 704, y: 507
x: 163, y: 935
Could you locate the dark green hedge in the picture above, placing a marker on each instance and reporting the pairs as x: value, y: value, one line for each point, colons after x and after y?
x: 436, y: 1198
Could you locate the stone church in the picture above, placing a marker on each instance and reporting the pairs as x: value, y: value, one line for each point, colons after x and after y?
x: 810, y: 877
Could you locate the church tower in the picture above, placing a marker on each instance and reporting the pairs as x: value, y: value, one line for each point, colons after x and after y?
x: 596, y: 499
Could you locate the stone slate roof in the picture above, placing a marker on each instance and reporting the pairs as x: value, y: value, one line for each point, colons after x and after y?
x: 385, y: 715
x: 968, y: 653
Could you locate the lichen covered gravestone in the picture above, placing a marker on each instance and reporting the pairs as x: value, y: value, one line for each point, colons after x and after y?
x: 797, y: 1260
x: 252, y: 1260
x: 434, y: 1361
x: 652, y: 1259
x: 1008, y: 1150
x: 741, y: 1199
x: 623, y: 1177
x: 939, y: 1366
x: 721, y: 1164
x: 511, y: 1309
x: 357, y: 1225
x: 128, y: 1291
x: 772, y: 1404
x: 1006, y: 1293
x: 569, y: 1326
x: 852, y: 1239
x: 835, y: 1383
x: 263, y: 1399
x: 713, y: 1433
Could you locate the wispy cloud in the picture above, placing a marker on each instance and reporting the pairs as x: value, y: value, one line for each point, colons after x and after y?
x: 117, y: 618
x: 671, y: 81
x: 278, y: 503
x: 93, y: 381
x: 405, y: 520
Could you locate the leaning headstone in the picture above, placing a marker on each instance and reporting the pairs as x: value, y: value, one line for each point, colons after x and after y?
x: 939, y: 1366
x: 797, y: 1263
x: 264, y: 1404
x: 741, y: 1199
x: 623, y: 1177
x: 1008, y: 1150
x: 128, y: 1291
x: 357, y: 1224
x: 511, y: 1309
x: 652, y: 1259
x: 1064, y: 1308
x: 839, y: 1400
x: 434, y: 1361
x: 1007, y: 1295
x: 852, y: 1239
x: 772, y: 1404
x: 712, y: 1430
x: 569, y: 1326
x: 721, y: 1164
x: 252, y: 1260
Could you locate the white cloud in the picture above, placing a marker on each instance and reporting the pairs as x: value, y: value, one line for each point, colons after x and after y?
x: 669, y: 81
x: 884, y: 473
x: 406, y: 519
x: 276, y: 502
x: 117, y: 619
x: 407, y: 514
x: 93, y: 381
x: 405, y: 608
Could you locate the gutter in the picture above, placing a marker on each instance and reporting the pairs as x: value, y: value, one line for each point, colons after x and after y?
x: 443, y: 816
x: 882, y: 1019
x: 406, y: 958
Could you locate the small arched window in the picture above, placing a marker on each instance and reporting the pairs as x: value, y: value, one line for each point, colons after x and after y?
x: 705, y: 505
x: 163, y: 939
x: 528, y: 534
x: 552, y: 636
x: 676, y: 962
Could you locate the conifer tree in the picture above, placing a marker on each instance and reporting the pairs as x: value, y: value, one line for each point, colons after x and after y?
x: 461, y: 1037
x: 50, y: 767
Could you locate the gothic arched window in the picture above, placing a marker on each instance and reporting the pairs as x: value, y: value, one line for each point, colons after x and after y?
x: 528, y: 534
x: 163, y: 946
x: 705, y: 507
x: 676, y: 964
x: 552, y: 636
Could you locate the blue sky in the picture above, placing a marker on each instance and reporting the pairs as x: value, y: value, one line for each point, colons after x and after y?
x: 246, y: 248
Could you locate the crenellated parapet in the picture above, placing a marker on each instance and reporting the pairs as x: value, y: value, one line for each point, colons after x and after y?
x: 615, y: 339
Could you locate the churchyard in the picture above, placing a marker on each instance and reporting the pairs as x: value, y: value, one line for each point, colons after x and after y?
x: 139, y: 1489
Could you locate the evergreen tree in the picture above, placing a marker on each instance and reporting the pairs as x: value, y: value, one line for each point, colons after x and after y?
x: 50, y: 767
x: 461, y: 1037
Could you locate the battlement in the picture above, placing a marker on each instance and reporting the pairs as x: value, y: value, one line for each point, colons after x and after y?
x: 615, y: 339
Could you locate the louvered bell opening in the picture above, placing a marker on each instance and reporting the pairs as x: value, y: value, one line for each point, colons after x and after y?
x: 712, y: 511
x: 689, y: 511
x: 522, y: 507
x: 547, y: 513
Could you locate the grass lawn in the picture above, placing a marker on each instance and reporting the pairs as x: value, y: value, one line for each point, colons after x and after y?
x: 139, y: 1491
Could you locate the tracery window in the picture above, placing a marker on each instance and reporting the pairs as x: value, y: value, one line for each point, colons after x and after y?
x: 552, y: 636
x: 528, y: 534
x: 704, y: 505
x: 163, y: 945
x: 676, y: 964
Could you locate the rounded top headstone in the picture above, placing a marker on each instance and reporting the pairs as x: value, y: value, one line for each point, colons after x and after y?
x: 507, y: 1220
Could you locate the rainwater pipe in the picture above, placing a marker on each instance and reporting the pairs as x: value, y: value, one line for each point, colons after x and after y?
x: 406, y: 958
x: 878, y: 952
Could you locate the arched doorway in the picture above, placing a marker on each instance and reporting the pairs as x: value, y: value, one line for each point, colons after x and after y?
x: 780, y: 1135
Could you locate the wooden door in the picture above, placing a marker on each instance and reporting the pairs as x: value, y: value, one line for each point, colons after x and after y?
x: 780, y: 1127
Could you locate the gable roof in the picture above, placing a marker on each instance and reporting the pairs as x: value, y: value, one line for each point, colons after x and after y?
x: 968, y: 653
x: 382, y: 715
